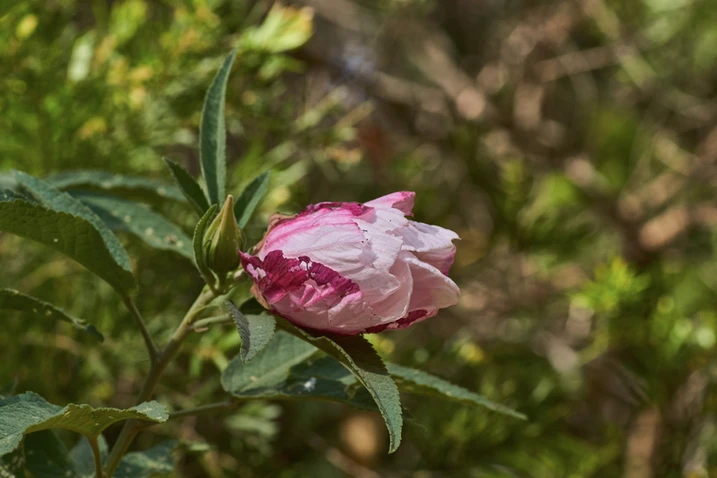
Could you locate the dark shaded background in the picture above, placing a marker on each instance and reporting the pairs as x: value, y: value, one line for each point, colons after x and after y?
x: 572, y: 145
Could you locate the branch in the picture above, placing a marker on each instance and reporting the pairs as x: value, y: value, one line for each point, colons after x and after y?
x: 130, y: 428
x: 137, y: 316
x: 210, y: 408
x: 203, y: 324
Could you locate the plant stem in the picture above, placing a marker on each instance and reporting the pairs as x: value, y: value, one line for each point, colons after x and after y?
x: 209, y: 408
x: 137, y: 316
x: 209, y: 321
x: 132, y: 427
x: 95, y: 446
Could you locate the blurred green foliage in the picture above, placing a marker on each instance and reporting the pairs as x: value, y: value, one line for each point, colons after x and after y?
x: 583, y: 191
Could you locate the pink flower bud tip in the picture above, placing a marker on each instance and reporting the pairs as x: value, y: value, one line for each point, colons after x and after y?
x: 350, y: 268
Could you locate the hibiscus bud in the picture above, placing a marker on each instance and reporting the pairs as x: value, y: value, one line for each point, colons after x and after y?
x: 222, y: 240
x: 349, y: 268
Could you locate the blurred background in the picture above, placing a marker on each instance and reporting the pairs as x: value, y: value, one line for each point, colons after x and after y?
x: 572, y: 144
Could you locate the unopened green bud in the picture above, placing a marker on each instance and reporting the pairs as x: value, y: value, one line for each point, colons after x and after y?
x: 221, y: 240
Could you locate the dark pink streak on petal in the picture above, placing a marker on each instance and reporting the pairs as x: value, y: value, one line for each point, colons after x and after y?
x: 400, y: 323
x: 353, y: 207
x: 276, y: 276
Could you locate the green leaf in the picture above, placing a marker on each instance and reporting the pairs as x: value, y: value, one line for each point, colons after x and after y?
x: 270, y: 367
x: 292, y: 369
x: 284, y: 28
x: 47, y: 457
x: 417, y: 381
x: 14, y: 300
x: 9, y: 195
x: 212, y: 134
x: 70, y: 234
x: 82, y: 458
x: 251, y: 197
x: 198, y: 244
x: 158, y: 460
x: 189, y: 187
x: 7, y: 181
x: 28, y: 412
x: 153, y: 229
x: 255, y: 331
x: 325, y: 378
x: 130, y: 187
x: 12, y: 465
x: 357, y: 354
x: 53, y: 198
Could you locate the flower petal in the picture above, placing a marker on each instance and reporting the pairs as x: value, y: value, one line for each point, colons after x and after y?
x: 349, y: 268
x: 352, y: 246
x: 395, y: 304
x: 431, y: 244
x: 432, y: 289
x: 410, y: 319
x: 402, y: 200
x: 309, y: 293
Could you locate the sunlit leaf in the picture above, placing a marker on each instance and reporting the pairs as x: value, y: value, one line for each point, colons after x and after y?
x: 285, y: 28
x: 126, y: 18
x: 81, y: 57
x: 212, y: 134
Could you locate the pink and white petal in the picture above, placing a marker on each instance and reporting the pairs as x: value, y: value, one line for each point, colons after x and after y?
x: 401, y: 200
x: 384, y: 247
x: 387, y: 221
x: 314, y: 314
x: 342, y: 241
x: 421, y: 237
x: 410, y: 319
x: 431, y: 288
x: 308, y: 293
x: 336, y: 243
x: 431, y: 244
x: 300, y: 230
x: 395, y: 305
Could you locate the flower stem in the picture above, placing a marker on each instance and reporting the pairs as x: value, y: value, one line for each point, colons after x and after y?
x: 132, y: 427
x: 95, y: 446
x: 210, y: 321
x: 137, y: 316
x: 209, y: 408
